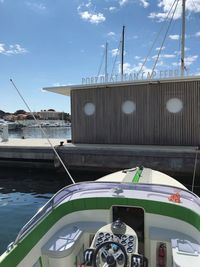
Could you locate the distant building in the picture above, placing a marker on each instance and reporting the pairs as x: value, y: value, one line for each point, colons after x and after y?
x: 50, y: 115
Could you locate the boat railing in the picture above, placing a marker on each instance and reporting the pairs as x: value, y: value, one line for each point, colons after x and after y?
x: 61, y: 195
x: 67, y: 192
x: 34, y: 220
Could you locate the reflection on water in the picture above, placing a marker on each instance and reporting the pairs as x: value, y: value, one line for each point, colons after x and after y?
x: 51, y: 132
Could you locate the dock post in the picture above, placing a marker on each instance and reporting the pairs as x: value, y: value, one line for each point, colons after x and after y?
x: 4, y: 132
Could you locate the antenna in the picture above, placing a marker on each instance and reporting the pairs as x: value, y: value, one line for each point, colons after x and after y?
x: 43, y: 132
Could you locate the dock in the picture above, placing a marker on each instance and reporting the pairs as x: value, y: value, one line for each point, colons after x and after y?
x: 37, y: 153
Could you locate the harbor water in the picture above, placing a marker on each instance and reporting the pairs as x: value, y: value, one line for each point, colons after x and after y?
x: 51, y: 132
x: 24, y: 191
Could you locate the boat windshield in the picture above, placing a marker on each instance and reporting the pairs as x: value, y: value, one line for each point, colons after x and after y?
x: 108, y: 189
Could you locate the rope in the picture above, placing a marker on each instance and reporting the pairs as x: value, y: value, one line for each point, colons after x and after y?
x: 43, y: 132
x: 161, y: 29
x: 101, y: 63
x: 195, y: 166
x: 156, y: 61
x: 117, y: 54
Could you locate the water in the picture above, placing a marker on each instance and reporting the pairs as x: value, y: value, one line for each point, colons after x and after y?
x: 51, y: 132
x: 24, y: 191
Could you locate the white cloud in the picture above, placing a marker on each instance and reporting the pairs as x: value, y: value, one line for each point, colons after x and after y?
x: 176, y: 64
x: 135, y: 68
x: 86, y: 13
x: 159, y: 16
x: 197, y: 34
x: 123, y: 2
x: 160, y: 63
x: 115, y: 52
x: 137, y: 57
x: 188, y: 61
x: 2, y: 49
x: 164, y: 56
x: 158, y: 48
x: 36, y: 6
x: 94, y: 18
x: 174, y: 37
x: 111, y: 34
x: 165, y: 6
x: 89, y: 4
x: 58, y: 84
x: 145, y: 3
x: 168, y: 56
x: 12, y: 49
x: 179, y: 52
x: 112, y: 8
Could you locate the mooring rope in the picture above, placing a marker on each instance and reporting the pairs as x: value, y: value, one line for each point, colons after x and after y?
x: 56, y: 153
x: 195, y: 166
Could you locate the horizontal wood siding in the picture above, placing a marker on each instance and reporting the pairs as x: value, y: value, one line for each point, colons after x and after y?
x: 151, y: 123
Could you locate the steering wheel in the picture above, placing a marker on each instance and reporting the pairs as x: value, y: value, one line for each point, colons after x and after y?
x: 109, y: 254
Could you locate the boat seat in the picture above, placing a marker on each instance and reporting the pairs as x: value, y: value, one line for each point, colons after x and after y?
x: 185, y: 246
x: 185, y: 253
x: 156, y: 233
x: 62, y: 243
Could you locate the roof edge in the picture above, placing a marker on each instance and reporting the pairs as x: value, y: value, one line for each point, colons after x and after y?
x: 66, y: 89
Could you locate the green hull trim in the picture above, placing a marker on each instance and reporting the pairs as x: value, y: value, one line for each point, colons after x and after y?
x: 16, y: 255
x: 136, y: 177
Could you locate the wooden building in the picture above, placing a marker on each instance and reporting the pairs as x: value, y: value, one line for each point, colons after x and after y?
x: 154, y: 112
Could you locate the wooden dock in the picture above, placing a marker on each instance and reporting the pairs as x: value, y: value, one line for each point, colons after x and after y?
x: 174, y: 160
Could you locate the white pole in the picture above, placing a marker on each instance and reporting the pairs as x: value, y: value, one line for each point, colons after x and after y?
x: 106, y: 62
x: 183, y: 40
x: 4, y: 134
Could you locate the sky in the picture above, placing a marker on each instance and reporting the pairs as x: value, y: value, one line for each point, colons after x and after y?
x: 45, y: 43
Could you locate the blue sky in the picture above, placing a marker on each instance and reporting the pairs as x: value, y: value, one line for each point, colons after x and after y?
x: 49, y: 43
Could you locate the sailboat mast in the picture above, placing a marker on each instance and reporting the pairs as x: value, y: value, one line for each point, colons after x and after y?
x: 183, y: 40
x: 122, y: 52
x: 106, y: 62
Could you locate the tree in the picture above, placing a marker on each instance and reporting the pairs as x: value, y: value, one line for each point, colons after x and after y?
x: 20, y: 111
x: 2, y: 113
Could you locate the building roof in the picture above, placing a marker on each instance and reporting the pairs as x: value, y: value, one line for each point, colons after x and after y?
x: 65, y: 90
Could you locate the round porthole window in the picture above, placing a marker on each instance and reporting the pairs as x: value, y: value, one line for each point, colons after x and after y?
x: 89, y: 109
x: 128, y: 107
x: 174, y: 105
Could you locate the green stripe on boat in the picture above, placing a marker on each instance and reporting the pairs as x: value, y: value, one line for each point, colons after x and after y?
x: 15, y: 256
x: 137, y: 176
